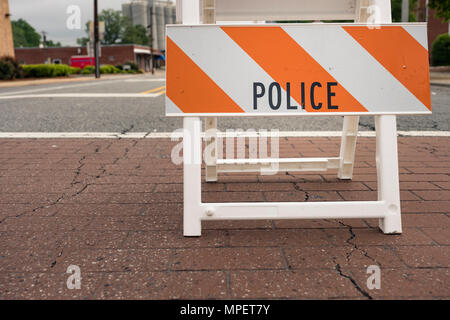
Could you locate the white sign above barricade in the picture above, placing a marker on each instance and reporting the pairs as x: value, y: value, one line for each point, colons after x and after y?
x: 297, y: 69
x: 285, y: 9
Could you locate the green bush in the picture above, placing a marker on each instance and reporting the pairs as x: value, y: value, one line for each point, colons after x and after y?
x: 440, y: 51
x: 133, y: 66
x: 109, y: 69
x: 46, y: 70
x: 10, y: 69
x: 87, y: 70
x: 75, y: 70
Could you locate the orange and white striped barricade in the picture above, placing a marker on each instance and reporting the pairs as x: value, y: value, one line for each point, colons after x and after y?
x: 329, y: 69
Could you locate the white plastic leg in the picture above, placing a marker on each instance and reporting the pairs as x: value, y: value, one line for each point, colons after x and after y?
x: 348, y: 147
x: 211, y: 148
x: 192, y: 152
x: 387, y: 172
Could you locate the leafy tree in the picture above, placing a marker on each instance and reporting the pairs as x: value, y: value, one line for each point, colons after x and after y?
x: 114, y: 25
x: 396, y: 7
x: 118, y: 29
x: 135, y: 34
x: 50, y: 43
x: 442, y: 8
x: 24, y: 34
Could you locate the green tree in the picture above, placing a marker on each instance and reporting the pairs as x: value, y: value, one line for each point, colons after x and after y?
x: 118, y: 29
x: 135, y: 35
x: 24, y: 34
x: 50, y: 43
x: 442, y: 8
x: 396, y: 7
x: 114, y: 25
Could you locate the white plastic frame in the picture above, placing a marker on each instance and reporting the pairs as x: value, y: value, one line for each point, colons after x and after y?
x: 386, y: 208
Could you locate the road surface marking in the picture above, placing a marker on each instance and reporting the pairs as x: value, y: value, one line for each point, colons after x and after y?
x: 90, y: 83
x: 146, y: 80
x: 165, y: 135
x: 153, y: 90
x: 83, y: 95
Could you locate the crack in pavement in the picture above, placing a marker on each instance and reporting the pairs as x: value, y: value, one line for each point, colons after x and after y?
x: 297, y: 187
x: 126, y: 130
x: 353, y: 281
x: 354, y: 245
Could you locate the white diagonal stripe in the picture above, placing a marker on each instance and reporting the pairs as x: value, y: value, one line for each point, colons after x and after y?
x: 418, y: 33
x: 227, y: 65
x: 355, y: 69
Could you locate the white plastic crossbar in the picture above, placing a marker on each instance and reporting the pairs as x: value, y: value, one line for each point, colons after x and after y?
x: 285, y: 164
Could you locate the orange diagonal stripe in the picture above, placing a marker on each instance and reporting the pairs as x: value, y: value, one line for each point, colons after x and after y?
x: 397, y: 51
x: 286, y: 61
x: 191, y: 89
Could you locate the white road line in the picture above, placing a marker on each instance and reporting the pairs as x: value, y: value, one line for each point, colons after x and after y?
x: 165, y: 135
x: 84, y: 95
x: 84, y: 84
x: 146, y: 80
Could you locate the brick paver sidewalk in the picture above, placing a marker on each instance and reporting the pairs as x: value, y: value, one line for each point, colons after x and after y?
x: 114, y: 208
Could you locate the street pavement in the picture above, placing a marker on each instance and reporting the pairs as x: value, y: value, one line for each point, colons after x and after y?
x: 114, y: 209
x: 136, y: 104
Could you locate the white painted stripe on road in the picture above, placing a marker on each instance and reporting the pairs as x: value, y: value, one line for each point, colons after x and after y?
x: 146, y: 80
x: 165, y: 135
x: 68, y: 86
x: 84, y: 95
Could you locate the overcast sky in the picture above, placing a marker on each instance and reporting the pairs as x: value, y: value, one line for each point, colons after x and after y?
x: 51, y: 16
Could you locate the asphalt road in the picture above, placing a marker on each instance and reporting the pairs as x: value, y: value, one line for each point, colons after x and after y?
x: 142, y: 110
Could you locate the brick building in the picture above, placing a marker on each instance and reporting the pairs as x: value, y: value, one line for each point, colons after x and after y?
x: 436, y: 26
x: 111, y: 54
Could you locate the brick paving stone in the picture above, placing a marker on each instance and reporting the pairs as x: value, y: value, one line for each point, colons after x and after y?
x: 227, y: 259
x: 410, y: 236
x: 163, y: 285
x: 119, y: 216
x: 346, y: 257
x: 407, y: 283
x: 284, y: 238
x: 42, y: 286
x: 118, y: 260
x: 428, y: 257
x: 295, y: 284
x: 174, y: 239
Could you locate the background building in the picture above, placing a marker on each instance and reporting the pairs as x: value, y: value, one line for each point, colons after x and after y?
x: 435, y: 25
x: 6, y: 39
x: 154, y: 15
x: 110, y: 54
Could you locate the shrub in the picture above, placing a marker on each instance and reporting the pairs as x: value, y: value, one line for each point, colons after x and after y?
x: 440, y: 51
x: 109, y: 69
x: 75, y: 70
x: 133, y: 66
x: 46, y: 70
x: 87, y: 70
x: 10, y: 69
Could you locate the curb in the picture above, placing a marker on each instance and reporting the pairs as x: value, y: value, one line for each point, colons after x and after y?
x: 440, y: 84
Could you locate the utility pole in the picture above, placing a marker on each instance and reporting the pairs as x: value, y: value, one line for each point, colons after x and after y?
x: 96, y: 43
x: 405, y: 10
x: 44, y: 39
x: 151, y: 39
